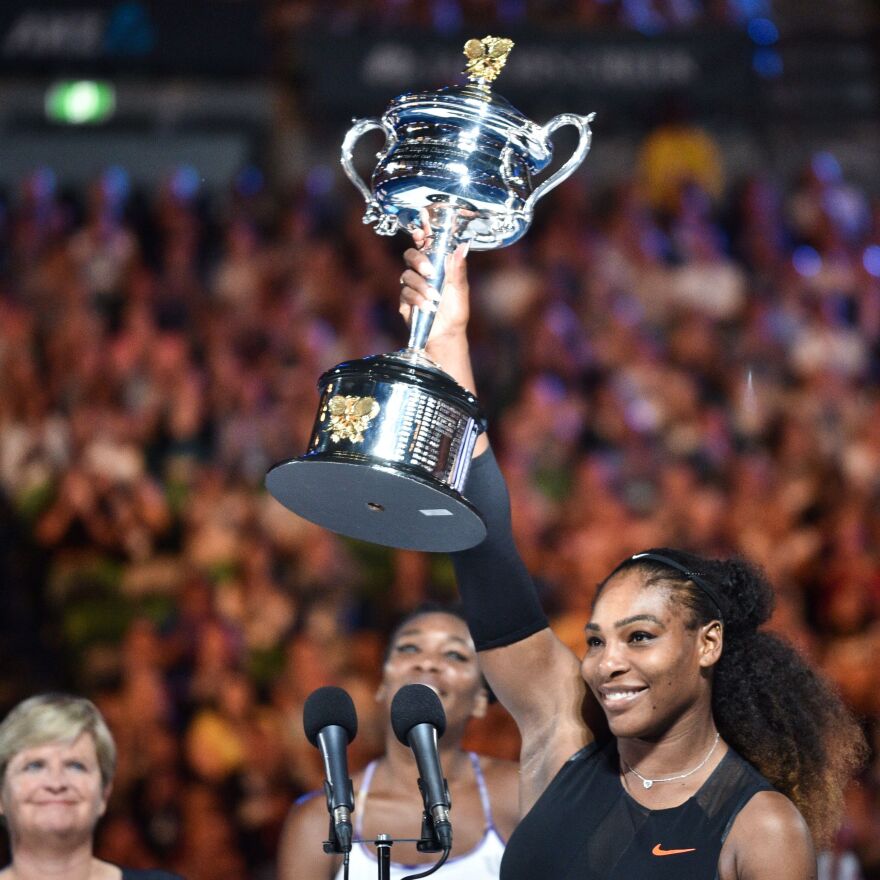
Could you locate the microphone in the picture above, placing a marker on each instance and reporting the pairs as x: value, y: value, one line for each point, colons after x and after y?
x: 418, y: 719
x: 330, y: 723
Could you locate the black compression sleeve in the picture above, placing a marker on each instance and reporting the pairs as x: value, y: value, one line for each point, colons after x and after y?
x: 499, y: 596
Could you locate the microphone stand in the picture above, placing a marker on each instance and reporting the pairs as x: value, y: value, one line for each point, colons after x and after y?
x: 383, y: 856
x: 332, y: 846
x: 427, y: 843
x: 383, y: 842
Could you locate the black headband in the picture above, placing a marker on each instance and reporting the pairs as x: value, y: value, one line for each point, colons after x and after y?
x: 707, y: 587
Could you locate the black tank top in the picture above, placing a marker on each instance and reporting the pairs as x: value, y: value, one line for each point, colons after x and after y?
x: 585, y: 826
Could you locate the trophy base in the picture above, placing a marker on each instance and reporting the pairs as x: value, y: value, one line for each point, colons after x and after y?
x: 377, y: 503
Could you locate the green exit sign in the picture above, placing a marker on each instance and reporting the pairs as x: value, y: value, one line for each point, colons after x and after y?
x: 80, y: 102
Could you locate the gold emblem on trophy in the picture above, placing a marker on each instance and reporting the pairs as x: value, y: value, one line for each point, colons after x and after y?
x: 350, y: 416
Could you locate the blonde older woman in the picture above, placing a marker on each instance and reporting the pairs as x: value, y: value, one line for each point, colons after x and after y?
x: 57, y: 759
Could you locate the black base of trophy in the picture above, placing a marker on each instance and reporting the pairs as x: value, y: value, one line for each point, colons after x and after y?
x: 379, y: 504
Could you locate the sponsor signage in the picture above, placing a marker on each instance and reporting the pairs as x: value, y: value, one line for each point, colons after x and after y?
x: 614, y: 73
x: 220, y: 37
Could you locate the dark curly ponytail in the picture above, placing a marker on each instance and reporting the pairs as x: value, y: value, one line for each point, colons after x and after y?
x: 768, y: 703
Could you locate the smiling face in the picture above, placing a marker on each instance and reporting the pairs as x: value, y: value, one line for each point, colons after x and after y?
x: 647, y: 667
x: 54, y: 790
x: 436, y: 649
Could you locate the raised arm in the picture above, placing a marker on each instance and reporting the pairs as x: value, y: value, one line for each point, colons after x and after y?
x: 533, y: 674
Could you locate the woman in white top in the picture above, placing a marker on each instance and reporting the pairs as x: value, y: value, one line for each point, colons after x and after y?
x: 431, y: 647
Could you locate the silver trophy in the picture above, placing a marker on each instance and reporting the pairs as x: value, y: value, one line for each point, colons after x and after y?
x: 392, y: 441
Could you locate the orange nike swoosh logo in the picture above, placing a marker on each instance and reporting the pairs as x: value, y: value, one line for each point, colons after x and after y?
x: 659, y: 851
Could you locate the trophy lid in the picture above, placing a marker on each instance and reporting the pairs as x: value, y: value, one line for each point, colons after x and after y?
x: 477, y: 105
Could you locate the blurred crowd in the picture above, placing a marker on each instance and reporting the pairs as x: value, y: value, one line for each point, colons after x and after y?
x: 693, y: 365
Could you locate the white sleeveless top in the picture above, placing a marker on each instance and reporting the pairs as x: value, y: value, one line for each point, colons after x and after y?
x: 483, y: 862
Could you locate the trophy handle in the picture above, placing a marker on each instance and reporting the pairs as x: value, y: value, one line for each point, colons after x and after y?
x: 387, y: 223
x: 582, y: 123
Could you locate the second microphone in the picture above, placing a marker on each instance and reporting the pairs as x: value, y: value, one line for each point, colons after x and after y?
x: 418, y: 720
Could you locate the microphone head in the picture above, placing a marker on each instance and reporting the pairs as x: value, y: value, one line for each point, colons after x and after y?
x: 416, y: 704
x: 326, y: 706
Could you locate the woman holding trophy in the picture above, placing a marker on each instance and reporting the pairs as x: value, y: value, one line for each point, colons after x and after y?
x: 727, y: 754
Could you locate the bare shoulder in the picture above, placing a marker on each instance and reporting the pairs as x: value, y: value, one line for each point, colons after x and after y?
x: 300, y: 852
x: 769, y: 840
x: 502, y: 780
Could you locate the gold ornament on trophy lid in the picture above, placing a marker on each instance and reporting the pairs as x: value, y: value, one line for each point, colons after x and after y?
x: 486, y: 57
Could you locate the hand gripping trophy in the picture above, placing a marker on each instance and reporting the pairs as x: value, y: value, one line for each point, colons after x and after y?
x: 392, y: 441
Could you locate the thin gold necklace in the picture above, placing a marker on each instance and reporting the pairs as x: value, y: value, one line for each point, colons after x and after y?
x: 647, y: 783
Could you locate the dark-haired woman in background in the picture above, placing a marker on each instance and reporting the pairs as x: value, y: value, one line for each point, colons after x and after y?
x: 432, y: 646
x: 727, y: 755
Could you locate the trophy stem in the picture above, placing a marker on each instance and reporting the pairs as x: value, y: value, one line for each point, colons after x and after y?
x: 448, y: 222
